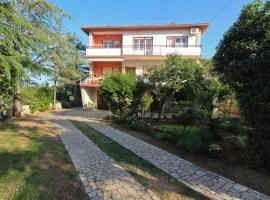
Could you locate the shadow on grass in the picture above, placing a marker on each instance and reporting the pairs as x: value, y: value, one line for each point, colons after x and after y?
x: 7, y: 126
x: 39, y: 169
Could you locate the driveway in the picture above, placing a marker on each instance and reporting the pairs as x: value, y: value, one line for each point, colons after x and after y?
x: 203, y: 181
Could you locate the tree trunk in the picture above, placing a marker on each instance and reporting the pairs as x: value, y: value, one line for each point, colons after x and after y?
x: 54, y: 96
x: 214, y: 108
x: 75, y: 93
x: 160, y: 108
x: 195, y: 104
x: 16, y: 108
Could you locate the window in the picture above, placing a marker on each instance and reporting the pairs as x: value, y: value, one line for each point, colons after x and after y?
x: 111, y: 44
x: 139, y: 43
x: 131, y: 70
x: 108, y: 44
x: 177, y: 41
x: 116, y: 44
x: 143, y: 43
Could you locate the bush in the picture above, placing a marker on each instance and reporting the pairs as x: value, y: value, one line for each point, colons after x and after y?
x: 233, y: 125
x: 38, y: 98
x: 133, y: 123
x: 187, y: 137
x: 188, y: 116
x: 122, y: 92
x: 192, y: 140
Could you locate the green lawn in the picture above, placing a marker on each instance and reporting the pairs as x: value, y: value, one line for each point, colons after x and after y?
x: 34, y: 163
x: 149, y: 176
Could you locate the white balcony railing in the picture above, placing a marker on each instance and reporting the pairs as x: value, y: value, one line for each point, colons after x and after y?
x: 91, y: 81
x: 99, y: 51
x: 156, y: 50
x: 162, y: 50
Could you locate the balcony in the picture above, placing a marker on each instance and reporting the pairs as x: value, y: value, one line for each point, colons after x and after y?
x: 101, y: 51
x: 153, y: 50
x: 91, y: 81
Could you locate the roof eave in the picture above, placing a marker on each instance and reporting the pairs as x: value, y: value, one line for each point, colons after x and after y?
x: 87, y: 29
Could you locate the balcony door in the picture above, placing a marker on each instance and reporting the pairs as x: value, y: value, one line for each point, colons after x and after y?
x: 107, y: 44
x: 143, y: 45
x: 149, y: 46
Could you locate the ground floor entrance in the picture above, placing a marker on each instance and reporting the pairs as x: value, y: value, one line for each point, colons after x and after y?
x: 93, y: 99
x: 101, y: 102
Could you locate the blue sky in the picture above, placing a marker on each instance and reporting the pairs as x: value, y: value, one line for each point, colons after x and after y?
x: 126, y: 12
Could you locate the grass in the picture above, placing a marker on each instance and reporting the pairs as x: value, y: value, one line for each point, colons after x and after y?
x: 34, y: 163
x: 165, y: 186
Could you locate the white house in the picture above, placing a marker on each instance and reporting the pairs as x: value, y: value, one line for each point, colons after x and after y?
x: 134, y: 50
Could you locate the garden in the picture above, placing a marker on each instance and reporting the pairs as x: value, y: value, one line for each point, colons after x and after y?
x: 185, y: 108
x: 214, y: 113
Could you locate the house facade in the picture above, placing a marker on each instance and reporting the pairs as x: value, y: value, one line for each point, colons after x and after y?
x: 134, y: 50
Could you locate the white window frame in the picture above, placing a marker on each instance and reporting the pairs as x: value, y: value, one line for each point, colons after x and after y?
x: 139, y: 43
x: 175, y: 44
x: 108, y: 44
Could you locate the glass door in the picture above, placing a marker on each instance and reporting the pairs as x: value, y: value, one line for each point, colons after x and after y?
x: 148, y: 46
x: 143, y: 46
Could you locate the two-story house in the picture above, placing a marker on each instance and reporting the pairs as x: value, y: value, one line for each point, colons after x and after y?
x: 134, y: 50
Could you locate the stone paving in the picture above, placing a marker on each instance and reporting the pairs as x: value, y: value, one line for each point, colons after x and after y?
x: 203, y: 181
x: 100, y: 175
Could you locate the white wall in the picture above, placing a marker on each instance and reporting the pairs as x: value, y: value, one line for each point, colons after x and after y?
x: 103, y: 51
x: 90, y: 38
x: 89, y: 96
x: 160, y: 38
x: 141, y: 66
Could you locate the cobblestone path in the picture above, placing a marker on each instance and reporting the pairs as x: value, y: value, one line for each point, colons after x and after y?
x: 101, y: 177
x: 205, y: 182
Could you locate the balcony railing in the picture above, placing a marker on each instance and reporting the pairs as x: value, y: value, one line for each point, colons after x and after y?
x: 91, y: 81
x: 153, y: 50
x: 100, y: 51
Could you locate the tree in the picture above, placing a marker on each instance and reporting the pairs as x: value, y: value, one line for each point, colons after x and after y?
x: 243, y: 61
x: 32, y: 38
x: 27, y: 32
x: 63, y: 61
x: 157, y: 84
x: 189, y: 75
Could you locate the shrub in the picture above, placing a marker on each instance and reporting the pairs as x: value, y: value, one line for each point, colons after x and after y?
x: 38, y: 98
x: 121, y: 92
x: 187, y: 116
x: 191, y: 140
x: 187, y: 137
x: 233, y: 125
x: 133, y: 123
